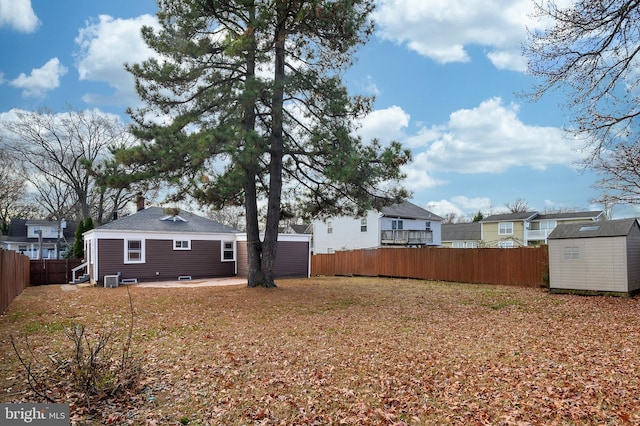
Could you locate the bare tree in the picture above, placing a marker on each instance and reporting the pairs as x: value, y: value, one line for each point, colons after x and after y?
x: 12, y: 190
x: 58, y: 150
x: 518, y: 206
x: 591, y: 53
x: 231, y: 216
x: 449, y: 218
x: 620, y: 171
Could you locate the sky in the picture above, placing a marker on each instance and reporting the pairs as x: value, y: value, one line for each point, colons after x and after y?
x: 448, y: 79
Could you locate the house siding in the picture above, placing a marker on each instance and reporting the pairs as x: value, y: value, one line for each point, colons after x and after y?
x: 633, y: 259
x: 346, y: 233
x: 491, y: 238
x: 602, y: 265
x: 243, y: 259
x: 162, y: 262
x: 292, y: 259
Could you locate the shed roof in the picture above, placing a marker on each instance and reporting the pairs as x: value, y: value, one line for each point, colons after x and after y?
x: 461, y: 231
x: 605, y: 228
x: 408, y: 210
x: 155, y: 219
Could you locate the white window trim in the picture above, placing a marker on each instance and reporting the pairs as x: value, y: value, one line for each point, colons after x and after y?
x: 506, y: 224
x: 363, y: 224
x: 329, y: 227
x: 180, y: 240
x: 142, y: 251
x: 222, y: 250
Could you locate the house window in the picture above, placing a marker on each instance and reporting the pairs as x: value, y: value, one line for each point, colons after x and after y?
x: 572, y: 253
x: 133, y: 251
x: 472, y: 244
x: 181, y: 245
x: 330, y: 250
x: 427, y: 226
x: 329, y: 227
x: 505, y: 244
x: 228, y: 251
x: 396, y: 224
x: 363, y: 224
x: 458, y: 244
x: 505, y: 228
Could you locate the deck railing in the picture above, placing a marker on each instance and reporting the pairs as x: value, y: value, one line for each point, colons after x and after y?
x: 406, y: 237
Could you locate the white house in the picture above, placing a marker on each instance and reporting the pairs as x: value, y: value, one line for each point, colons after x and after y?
x: 399, y: 225
x: 39, y: 239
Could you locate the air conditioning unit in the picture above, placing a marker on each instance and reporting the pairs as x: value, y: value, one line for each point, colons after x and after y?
x: 111, y: 281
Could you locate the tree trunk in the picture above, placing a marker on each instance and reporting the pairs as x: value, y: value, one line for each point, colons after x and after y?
x: 255, y: 276
x: 270, y: 245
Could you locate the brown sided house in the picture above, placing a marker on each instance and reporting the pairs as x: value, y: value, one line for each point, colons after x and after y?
x: 595, y: 257
x: 157, y: 244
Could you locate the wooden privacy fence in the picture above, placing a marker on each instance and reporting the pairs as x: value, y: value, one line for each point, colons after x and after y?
x: 52, y: 271
x: 14, y: 276
x: 525, y: 266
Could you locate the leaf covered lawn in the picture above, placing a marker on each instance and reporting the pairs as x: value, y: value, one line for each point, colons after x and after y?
x: 349, y: 351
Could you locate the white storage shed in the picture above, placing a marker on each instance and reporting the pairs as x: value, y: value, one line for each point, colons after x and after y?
x: 595, y: 258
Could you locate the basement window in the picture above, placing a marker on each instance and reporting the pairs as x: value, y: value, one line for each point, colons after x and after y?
x: 181, y: 245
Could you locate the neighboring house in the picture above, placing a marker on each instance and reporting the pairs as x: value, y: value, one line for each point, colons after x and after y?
x: 462, y: 235
x: 397, y: 225
x: 167, y: 244
x: 39, y: 239
x: 595, y: 257
x: 528, y: 228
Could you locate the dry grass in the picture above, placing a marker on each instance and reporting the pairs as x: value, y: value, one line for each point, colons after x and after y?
x: 352, y: 351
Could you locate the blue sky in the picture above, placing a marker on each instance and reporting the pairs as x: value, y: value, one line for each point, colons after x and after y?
x: 446, y: 76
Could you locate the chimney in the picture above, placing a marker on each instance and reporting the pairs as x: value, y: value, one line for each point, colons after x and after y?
x: 114, y: 215
x: 139, y: 202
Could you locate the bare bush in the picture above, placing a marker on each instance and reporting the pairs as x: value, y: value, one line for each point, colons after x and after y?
x: 92, y: 367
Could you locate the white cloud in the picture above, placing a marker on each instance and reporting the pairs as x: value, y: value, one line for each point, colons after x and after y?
x: 105, y: 46
x: 19, y: 15
x: 418, y: 180
x: 490, y: 138
x: 41, y: 80
x: 444, y: 207
x: 442, y: 30
x: 385, y: 125
x: 461, y: 206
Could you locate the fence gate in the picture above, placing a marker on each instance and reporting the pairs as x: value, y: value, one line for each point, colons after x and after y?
x: 52, y: 271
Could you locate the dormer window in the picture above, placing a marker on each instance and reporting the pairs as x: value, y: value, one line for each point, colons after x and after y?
x: 174, y: 218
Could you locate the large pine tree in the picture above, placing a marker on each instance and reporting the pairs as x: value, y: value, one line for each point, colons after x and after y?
x: 245, y: 102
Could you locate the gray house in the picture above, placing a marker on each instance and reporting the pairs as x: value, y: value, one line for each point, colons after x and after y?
x: 462, y: 235
x: 595, y: 257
